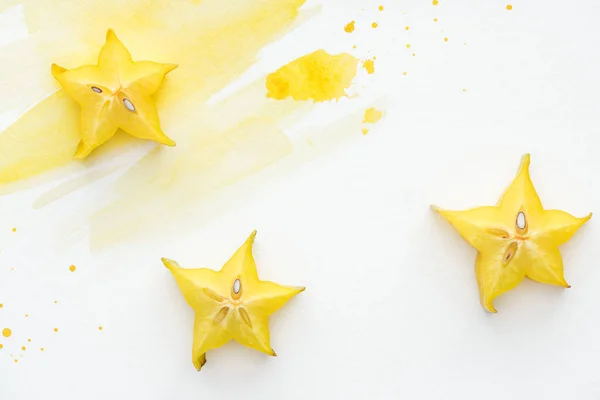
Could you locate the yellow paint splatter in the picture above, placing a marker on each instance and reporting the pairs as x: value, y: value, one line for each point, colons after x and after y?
x: 55, y: 329
x: 26, y: 315
x: 435, y: 2
x: 1, y: 305
x: 55, y: 302
x: 404, y: 73
x: 374, y: 25
x: 100, y: 328
x: 42, y: 349
x: 16, y: 360
x: 372, y: 115
x: 380, y: 8
x: 407, y: 27
x: 6, y: 332
x: 509, y: 7
x: 72, y: 268
x: 464, y: 90
x: 14, y: 229
x: 445, y: 39
x: 435, y: 20
x: 1, y: 346
x: 369, y: 65
x: 318, y: 76
x: 408, y: 46
x: 365, y: 131
x: 349, y: 27
x: 29, y: 340
x: 23, y: 348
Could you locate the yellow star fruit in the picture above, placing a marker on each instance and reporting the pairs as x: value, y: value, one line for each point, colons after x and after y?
x: 515, y: 239
x: 115, y: 94
x: 231, y: 303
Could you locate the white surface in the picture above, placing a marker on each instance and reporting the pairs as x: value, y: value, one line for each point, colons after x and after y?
x: 391, y: 308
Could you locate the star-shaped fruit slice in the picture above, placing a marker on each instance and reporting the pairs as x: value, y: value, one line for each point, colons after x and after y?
x: 515, y: 239
x: 115, y: 94
x: 231, y: 303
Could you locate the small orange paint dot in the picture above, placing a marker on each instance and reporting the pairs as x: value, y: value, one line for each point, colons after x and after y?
x: 445, y: 39
x: 374, y: 25
x: 72, y: 268
x: 23, y: 348
x: 509, y: 7
x: 55, y: 329
x: 408, y: 46
x: 100, y: 328
x: 380, y: 8
x: 6, y: 332
x: 435, y: 2
x: 407, y: 27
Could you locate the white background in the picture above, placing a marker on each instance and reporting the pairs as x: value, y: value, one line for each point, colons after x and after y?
x: 391, y: 308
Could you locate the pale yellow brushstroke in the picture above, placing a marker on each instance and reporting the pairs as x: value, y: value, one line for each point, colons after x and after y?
x: 213, y: 42
x: 318, y: 76
x: 219, y: 160
x: 372, y: 115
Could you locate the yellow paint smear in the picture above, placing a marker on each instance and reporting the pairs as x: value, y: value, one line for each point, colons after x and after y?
x: 212, y: 41
x: 318, y: 76
x: 349, y: 27
x: 372, y: 115
x: 369, y: 65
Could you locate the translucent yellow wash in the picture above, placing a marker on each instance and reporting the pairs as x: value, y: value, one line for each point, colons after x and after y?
x: 115, y: 94
x: 318, y: 76
x: 231, y: 303
x: 515, y: 239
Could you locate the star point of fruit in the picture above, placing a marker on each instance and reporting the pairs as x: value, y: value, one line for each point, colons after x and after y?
x: 514, y: 239
x: 115, y: 94
x: 231, y: 303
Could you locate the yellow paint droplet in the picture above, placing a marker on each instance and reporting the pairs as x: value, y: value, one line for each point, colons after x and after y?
x: 414, y: 54
x: 1, y: 346
x: 16, y: 360
x: 29, y: 340
x: 100, y: 328
x: 6, y: 332
x: 1, y: 305
x: 26, y: 315
x: 445, y: 39
x: 407, y: 27
x: 365, y: 131
x: 408, y: 46
x: 464, y: 90
x: 23, y: 348
x: 372, y: 115
x: 72, y: 268
x: 14, y: 229
x: 369, y: 65
x: 435, y: 2
x: 317, y: 76
x: 55, y: 329
x: 404, y: 73
x: 509, y: 7
x: 55, y: 302
x: 374, y: 25
x: 380, y: 8
x: 435, y: 20
x: 42, y: 349
x: 349, y: 27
